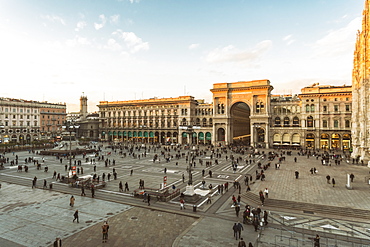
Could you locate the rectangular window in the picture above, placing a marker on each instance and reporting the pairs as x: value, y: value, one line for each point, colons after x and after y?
x: 325, y: 108
x: 14, y: 123
x: 325, y: 123
x: 347, y: 108
x: 6, y: 115
x: 28, y: 123
x: 336, y: 108
x: 6, y: 123
x: 6, y: 109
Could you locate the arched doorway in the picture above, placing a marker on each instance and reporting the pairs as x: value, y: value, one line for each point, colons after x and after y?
x: 260, y: 138
x: 324, y: 141
x: 335, y: 141
x: 240, y: 123
x: 346, y: 141
x: 220, y: 135
x: 310, y: 141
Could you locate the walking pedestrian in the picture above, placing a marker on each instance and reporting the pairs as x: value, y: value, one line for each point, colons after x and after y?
x: 328, y: 179
x: 316, y: 241
x: 209, y: 199
x: 352, y: 176
x: 182, y: 204
x: 58, y: 242
x: 237, y: 230
x: 92, y: 192
x: 83, y: 190
x: 148, y: 199
x: 75, y: 215
x: 237, y: 210
x: 242, y: 243
x: 105, y: 229
x: 266, y: 193
x: 45, y: 184
x: 72, y: 201
x: 255, y: 223
x: 120, y: 186
x: 296, y: 174
x: 126, y: 187
x: 265, y: 217
x: 333, y: 182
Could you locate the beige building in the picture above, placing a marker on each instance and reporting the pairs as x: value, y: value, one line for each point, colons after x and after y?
x: 24, y: 121
x: 164, y: 120
x: 242, y: 112
x: 318, y: 118
x: 361, y: 91
x: 52, y: 117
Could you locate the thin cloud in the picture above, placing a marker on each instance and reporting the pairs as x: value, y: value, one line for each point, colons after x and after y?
x: 113, y: 45
x: 103, y: 20
x: 132, y: 42
x: 338, y: 42
x: 289, y: 39
x: 114, y: 19
x: 78, y: 40
x: 80, y: 25
x: 230, y: 54
x: 193, y: 46
x: 54, y: 18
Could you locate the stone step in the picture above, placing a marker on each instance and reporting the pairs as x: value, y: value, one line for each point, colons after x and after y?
x: 309, y: 207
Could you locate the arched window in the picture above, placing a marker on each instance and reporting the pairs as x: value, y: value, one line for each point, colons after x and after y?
x: 347, y: 124
x: 277, y: 121
x: 210, y: 122
x: 312, y: 108
x: 204, y: 122
x: 286, y: 122
x: 183, y: 122
x: 336, y: 123
x: 296, y: 122
x: 310, y: 121
x: 307, y: 108
x: 197, y: 122
x: 324, y: 123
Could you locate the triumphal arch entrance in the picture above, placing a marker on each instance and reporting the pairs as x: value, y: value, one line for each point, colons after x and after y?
x: 242, y: 113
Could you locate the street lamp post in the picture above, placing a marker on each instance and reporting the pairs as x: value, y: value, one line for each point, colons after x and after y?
x: 70, y: 126
x: 189, y: 130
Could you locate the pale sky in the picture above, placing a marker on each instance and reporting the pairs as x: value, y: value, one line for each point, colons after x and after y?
x: 112, y: 50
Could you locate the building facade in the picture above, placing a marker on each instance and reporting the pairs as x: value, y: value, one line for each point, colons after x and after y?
x: 24, y: 121
x: 318, y: 118
x: 242, y: 112
x: 165, y: 120
x: 52, y: 117
x: 361, y: 91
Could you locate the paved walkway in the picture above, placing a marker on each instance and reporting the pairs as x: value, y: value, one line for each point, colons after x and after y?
x: 21, y: 208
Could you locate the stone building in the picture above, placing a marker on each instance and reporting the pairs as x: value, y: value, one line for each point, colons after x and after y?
x: 361, y: 90
x: 318, y: 118
x: 52, y: 117
x: 166, y: 120
x: 24, y: 121
x: 242, y: 112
